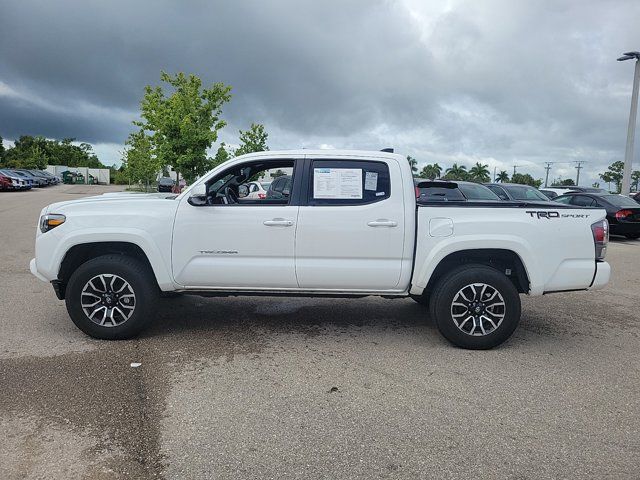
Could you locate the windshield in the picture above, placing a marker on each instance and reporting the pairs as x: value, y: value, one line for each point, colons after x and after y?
x: 525, y: 192
x: 477, y: 192
x: 620, y: 201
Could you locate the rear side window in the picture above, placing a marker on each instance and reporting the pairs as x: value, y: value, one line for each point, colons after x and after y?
x: 477, y: 192
x: 348, y: 182
x: 583, y: 201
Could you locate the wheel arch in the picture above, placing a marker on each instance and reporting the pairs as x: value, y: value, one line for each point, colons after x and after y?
x: 503, y: 260
x: 83, y: 252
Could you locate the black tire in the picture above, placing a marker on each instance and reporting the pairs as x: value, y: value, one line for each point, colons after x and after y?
x: 141, y: 282
x: 421, y: 299
x: 442, y: 311
x: 632, y: 236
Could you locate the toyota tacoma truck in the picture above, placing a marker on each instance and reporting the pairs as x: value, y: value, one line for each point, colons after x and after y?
x: 333, y: 224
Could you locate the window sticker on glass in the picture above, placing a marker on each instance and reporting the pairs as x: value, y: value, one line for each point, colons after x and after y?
x: 371, y: 181
x: 337, y: 183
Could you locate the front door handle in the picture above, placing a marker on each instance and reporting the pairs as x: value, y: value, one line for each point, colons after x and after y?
x: 278, y: 222
x: 383, y: 222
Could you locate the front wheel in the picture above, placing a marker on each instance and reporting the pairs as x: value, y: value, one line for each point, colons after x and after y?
x: 475, y: 307
x: 112, y: 297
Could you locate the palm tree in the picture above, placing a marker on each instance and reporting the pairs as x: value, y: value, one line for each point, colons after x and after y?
x: 431, y: 171
x: 480, y: 172
x: 457, y: 172
x: 502, y: 177
x: 414, y: 164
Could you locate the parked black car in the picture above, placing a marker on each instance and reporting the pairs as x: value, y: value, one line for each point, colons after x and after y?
x: 515, y: 191
x: 165, y: 184
x: 280, y: 188
x: 636, y: 196
x: 452, y: 191
x: 623, y: 213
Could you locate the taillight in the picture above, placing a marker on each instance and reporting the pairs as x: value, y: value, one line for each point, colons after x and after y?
x: 600, y: 232
x: 620, y: 214
x: 262, y: 196
x: 417, y: 192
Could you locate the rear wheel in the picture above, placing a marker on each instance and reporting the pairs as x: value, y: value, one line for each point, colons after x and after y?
x: 475, y: 307
x: 111, y: 297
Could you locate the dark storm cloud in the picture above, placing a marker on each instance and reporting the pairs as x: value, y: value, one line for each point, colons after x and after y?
x: 500, y: 80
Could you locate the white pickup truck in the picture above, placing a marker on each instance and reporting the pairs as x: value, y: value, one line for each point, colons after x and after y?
x: 332, y: 223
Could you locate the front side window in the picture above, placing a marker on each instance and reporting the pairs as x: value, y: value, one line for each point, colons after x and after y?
x: 348, y: 182
x: 238, y: 185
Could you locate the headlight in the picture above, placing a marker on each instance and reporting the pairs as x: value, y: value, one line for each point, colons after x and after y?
x: 50, y: 221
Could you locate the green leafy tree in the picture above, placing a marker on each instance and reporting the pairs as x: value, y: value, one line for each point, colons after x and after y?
x: 456, y: 172
x: 253, y: 140
x: 525, y: 179
x: 38, y: 152
x: 431, y: 171
x: 606, y: 177
x: 595, y: 185
x: 502, y: 177
x: 222, y: 155
x: 277, y: 173
x: 184, y: 123
x: 479, y: 173
x: 413, y: 163
x: 1, y: 151
x: 567, y: 182
x: 635, y: 179
x: 141, y: 164
x: 614, y: 174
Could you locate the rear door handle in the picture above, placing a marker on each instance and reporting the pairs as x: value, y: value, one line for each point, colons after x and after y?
x: 383, y: 222
x: 278, y: 222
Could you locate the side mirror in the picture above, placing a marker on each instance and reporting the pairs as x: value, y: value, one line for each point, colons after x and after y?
x: 198, y: 195
x: 243, y: 191
x: 197, y: 200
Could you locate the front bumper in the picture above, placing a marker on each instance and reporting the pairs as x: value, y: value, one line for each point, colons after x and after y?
x: 34, y: 270
x: 601, y: 278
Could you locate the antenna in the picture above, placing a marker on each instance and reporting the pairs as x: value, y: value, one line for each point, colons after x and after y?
x: 387, y: 150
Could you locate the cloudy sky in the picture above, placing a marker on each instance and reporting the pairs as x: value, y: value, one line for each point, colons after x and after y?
x: 501, y: 82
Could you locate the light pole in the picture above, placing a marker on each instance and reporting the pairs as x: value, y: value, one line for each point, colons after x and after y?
x: 631, y: 131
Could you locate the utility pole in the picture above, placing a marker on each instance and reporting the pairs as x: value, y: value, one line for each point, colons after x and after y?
x: 494, y: 173
x: 547, y: 168
x: 631, y: 130
x: 578, y: 168
x: 514, y: 168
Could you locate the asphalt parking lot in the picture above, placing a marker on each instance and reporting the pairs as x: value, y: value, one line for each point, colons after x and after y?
x: 313, y: 388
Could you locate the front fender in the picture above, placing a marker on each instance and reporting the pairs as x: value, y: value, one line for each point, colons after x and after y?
x: 52, y: 246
